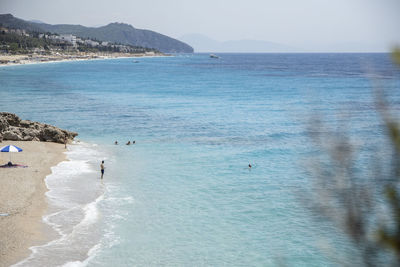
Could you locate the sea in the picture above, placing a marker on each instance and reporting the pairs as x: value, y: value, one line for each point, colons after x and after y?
x: 183, y: 194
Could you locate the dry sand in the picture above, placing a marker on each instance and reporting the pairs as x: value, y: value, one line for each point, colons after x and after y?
x: 22, y: 196
x: 36, y: 59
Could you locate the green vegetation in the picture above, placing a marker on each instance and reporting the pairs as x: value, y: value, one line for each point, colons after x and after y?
x: 388, y: 233
x: 9, y: 21
x: 365, y: 207
x: 114, y: 32
x: 396, y: 56
x: 20, y: 44
x: 14, y: 43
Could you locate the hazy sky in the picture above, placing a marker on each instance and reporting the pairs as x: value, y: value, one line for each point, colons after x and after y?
x: 311, y: 24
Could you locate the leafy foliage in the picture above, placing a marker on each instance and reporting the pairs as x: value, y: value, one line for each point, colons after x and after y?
x: 396, y: 56
x: 355, y: 203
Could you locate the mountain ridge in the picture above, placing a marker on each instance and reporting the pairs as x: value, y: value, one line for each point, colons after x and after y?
x: 113, y: 32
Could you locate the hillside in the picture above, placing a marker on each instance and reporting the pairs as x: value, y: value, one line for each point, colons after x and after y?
x: 113, y: 32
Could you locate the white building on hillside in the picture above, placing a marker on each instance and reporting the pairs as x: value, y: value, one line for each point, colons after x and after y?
x: 69, y: 38
x: 91, y: 42
x: 54, y: 37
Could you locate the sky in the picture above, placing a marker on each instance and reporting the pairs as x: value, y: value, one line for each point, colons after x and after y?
x: 313, y: 25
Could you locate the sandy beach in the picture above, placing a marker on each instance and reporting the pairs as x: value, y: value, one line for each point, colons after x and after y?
x: 22, y: 198
x: 12, y: 60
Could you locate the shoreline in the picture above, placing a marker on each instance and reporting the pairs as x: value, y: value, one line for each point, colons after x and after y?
x: 71, y: 58
x: 23, y: 201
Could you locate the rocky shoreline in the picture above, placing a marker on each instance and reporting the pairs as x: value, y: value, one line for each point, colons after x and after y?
x: 14, y: 129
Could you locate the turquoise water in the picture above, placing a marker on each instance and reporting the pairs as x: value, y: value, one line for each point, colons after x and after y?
x: 183, y: 194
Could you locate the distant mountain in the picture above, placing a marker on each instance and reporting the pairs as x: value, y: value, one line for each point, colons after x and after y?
x: 113, y: 32
x: 9, y: 21
x: 202, y: 43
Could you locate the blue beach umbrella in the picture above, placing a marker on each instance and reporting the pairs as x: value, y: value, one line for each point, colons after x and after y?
x: 10, y: 148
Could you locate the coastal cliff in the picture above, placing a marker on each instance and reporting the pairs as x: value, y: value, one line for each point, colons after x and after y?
x: 15, y: 129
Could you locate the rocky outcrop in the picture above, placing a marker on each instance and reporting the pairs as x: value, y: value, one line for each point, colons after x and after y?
x: 15, y: 129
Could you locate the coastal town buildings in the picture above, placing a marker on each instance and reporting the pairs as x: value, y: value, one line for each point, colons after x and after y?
x: 69, y: 38
x: 18, y: 46
x: 3, y: 30
x: 91, y: 43
x: 70, y: 41
x: 15, y: 31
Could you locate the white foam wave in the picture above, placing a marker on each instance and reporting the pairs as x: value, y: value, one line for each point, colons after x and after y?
x: 126, y: 200
x: 91, y: 254
x: 91, y: 213
x: 74, y: 196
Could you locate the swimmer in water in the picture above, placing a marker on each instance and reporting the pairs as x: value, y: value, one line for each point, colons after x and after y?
x: 249, y: 166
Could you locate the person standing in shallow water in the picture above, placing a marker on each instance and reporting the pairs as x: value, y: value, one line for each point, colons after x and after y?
x: 65, y: 141
x: 102, y: 169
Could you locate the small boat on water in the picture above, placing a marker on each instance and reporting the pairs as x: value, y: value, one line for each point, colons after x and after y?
x: 213, y: 56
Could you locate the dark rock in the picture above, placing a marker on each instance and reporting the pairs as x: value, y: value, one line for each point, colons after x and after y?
x: 12, y: 119
x: 13, y: 128
x: 3, y: 124
x: 25, y: 123
x: 27, y: 138
x: 11, y: 135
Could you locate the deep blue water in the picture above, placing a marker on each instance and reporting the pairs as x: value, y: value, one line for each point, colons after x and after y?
x: 183, y: 195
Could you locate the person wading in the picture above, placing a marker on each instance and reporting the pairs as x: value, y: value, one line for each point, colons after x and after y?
x: 102, y: 169
x: 65, y: 141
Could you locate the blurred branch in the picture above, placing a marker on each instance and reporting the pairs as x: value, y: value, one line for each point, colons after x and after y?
x: 350, y: 198
x: 396, y: 55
